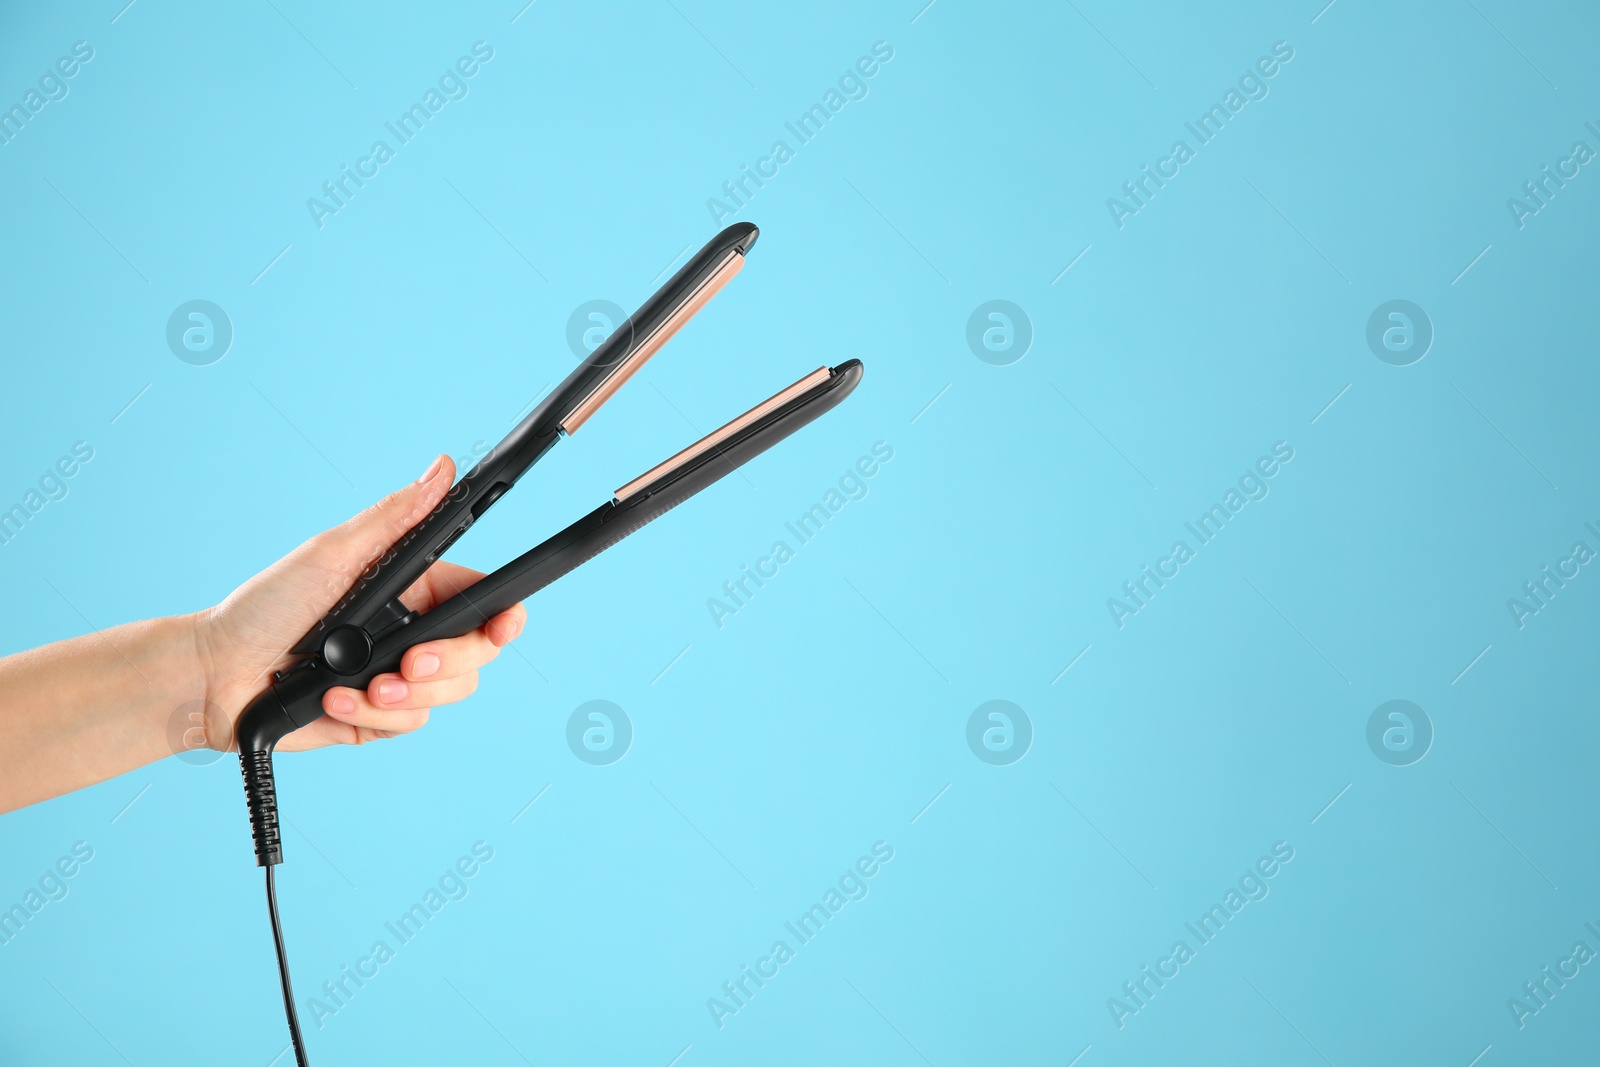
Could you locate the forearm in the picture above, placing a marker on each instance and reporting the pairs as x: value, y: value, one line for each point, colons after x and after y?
x: 81, y: 711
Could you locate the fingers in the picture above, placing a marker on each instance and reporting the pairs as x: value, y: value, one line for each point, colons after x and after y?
x: 431, y: 674
x: 391, y: 703
x: 330, y: 731
x: 396, y: 723
x: 365, y: 537
x: 352, y: 708
x: 438, y: 660
x: 444, y: 580
x: 392, y: 691
x: 504, y: 627
x: 439, y: 583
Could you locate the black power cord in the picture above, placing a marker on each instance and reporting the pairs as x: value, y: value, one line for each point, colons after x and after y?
x: 261, y: 796
x: 283, y: 973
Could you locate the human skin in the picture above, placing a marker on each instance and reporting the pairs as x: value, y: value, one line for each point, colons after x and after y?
x: 90, y: 708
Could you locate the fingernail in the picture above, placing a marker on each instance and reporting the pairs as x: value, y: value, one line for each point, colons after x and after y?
x: 426, y: 665
x: 343, y: 704
x: 427, y: 475
x: 392, y: 691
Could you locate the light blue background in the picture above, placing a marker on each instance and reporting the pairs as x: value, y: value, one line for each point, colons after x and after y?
x: 1224, y: 317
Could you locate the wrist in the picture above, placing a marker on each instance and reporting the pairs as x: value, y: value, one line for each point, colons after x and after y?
x: 196, y: 718
x: 152, y: 669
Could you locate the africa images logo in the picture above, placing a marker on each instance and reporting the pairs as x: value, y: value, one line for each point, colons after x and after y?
x: 999, y: 733
x: 599, y: 732
x: 199, y: 332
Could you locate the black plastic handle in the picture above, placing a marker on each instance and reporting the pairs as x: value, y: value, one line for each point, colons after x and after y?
x: 371, y: 605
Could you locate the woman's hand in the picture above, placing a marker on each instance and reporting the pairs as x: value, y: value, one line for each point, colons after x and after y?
x: 83, y: 710
x: 242, y: 640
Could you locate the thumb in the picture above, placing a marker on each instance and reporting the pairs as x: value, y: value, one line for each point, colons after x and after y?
x: 368, y: 535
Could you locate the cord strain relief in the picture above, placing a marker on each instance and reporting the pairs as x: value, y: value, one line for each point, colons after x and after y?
x: 261, y: 795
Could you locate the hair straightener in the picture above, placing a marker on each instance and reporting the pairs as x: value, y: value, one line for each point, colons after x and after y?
x: 367, y: 631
